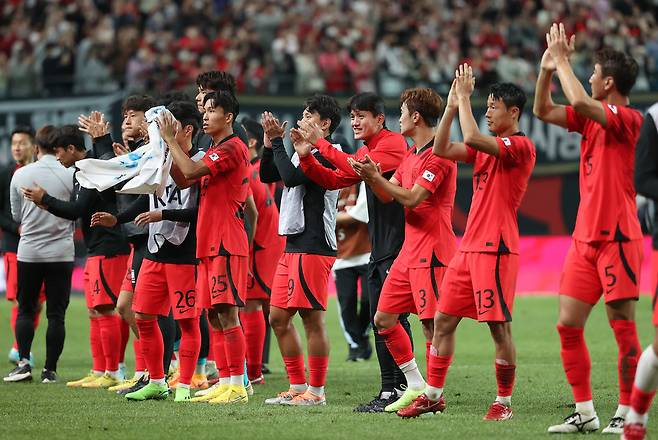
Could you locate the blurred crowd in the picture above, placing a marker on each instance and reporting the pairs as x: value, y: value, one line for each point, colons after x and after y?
x: 285, y: 47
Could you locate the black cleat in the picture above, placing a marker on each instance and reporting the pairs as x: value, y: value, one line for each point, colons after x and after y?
x: 364, y: 351
x: 22, y: 372
x: 376, y: 405
x: 141, y: 383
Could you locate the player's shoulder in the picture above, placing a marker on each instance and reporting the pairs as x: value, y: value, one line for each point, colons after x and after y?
x: 518, y: 139
x: 394, y: 138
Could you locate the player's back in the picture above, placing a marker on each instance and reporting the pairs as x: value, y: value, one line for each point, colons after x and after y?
x: 268, y: 214
x: 220, y: 227
x: 607, y: 164
x: 499, y: 184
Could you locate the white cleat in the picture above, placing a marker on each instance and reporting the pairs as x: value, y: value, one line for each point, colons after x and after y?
x: 616, y: 426
x: 576, y: 423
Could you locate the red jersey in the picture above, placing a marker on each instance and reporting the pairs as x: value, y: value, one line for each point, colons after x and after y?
x: 267, y: 230
x: 220, y: 225
x: 429, y: 240
x: 499, y: 184
x: 607, y: 209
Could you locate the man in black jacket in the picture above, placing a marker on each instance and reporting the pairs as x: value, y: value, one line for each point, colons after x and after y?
x: 22, y: 153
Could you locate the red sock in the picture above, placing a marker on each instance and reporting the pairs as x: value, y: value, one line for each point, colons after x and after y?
x: 220, y: 353
x: 628, y: 357
x: 188, y: 351
x: 428, y: 346
x: 576, y: 361
x: 398, y: 343
x: 317, y: 370
x: 235, y: 350
x: 437, y: 369
x: 253, y: 325
x: 12, y: 321
x: 125, y: 336
x: 140, y: 362
x: 505, y: 375
x: 295, y: 369
x: 111, y: 340
x: 641, y: 400
x: 150, y: 339
x: 97, y: 355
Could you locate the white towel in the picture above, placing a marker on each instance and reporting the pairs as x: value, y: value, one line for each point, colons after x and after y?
x: 146, y: 168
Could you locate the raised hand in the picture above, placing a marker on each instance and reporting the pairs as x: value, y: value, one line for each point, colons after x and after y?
x: 365, y: 168
x: 465, y: 81
x: 271, y: 126
x: 452, y: 101
x: 94, y: 125
x: 119, y: 150
x: 103, y: 219
x: 311, y: 131
x: 559, y: 46
x: 168, y: 127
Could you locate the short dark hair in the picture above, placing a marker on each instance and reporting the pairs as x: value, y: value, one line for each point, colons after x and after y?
x: 511, y: 95
x: 621, y: 67
x: 23, y: 129
x: 187, y: 113
x: 140, y: 103
x: 224, y: 99
x: 254, y: 130
x: 425, y: 101
x: 173, y: 96
x: 69, y: 135
x: 216, y: 80
x: 45, y: 139
x: 368, y: 102
x: 327, y: 107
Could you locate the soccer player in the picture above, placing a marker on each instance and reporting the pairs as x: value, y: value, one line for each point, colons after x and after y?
x: 646, y: 376
x: 222, y: 244
x: 606, y: 252
x: 308, y: 220
x: 168, y: 272
x: 44, y: 256
x: 22, y: 152
x: 480, y: 280
x: 107, y: 254
x: 386, y: 220
x: 425, y: 185
x: 264, y: 254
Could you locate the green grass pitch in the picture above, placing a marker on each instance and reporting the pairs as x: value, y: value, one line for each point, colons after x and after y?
x: 541, y: 397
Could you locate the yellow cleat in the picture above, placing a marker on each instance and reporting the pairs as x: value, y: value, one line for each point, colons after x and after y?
x: 234, y: 394
x: 124, y: 385
x: 78, y: 383
x: 199, y: 381
x: 105, y: 381
x: 212, y: 395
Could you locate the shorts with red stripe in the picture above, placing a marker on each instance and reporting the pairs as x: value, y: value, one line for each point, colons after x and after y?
x: 604, y: 268
x: 11, y: 278
x: 300, y: 281
x: 221, y: 280
x: 411, y: 290
x: 263, y: 264
x: 102, y: 279
x: 164, y: 286
x: 480, y: 285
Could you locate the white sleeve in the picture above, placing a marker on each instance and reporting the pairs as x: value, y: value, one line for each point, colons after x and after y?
x: 359, y: 211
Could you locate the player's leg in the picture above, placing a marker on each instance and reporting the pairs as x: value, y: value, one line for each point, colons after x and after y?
x: 580, y: 289
x: 57, y: 283
x: 363, y: 316
x: 347, y: 296
x: 153, y: 351
x: 234, y: 349
x: 644, y: 389
x: 254, y: 333
x: 505, y: 365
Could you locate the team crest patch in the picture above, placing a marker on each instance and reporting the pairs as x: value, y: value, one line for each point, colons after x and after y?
x: 214, y: 157
x: 613, y: 108
x: 507, y: 142
x: 428, y: 175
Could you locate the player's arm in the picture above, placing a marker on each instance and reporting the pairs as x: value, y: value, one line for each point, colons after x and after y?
x: 71, y: 210
x: 16, y: 201
x: 251, y: 213
x: 191, y: 170
x: 388, y: 190
x: 184, y: 215
x: 544, y: 107
x: 130, y: 213
x: 290, y: 174
x: 268, y: 171
x: 560, y: 49
x: 646, y: 157
x: 312, y: 133
x: 465, y: 84
x: 7, y: 222
x: 442, y: 146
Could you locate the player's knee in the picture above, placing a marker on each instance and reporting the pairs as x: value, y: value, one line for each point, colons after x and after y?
x: 622, y: 310
x: 383, y: 321
x: 444, y: 325
x: 428, y: 329
x: 501, y: 332
x: 278, y: 322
